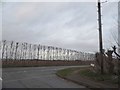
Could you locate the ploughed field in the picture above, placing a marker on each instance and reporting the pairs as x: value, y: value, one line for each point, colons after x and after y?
x: 32, y: 63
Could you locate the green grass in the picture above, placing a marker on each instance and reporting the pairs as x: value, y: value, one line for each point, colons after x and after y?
x: 88, y: 73
x: 65, y: 72
x: 98, y: 77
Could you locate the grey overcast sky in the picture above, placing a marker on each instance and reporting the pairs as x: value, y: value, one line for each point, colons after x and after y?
x: 71, y: 25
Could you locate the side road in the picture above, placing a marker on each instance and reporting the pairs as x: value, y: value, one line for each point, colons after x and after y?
x: 89, y: 83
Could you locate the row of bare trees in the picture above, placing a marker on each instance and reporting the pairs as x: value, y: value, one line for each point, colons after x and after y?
x: 23, y: 51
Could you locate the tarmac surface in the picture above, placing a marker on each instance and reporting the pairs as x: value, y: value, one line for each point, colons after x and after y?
x: 36, y: 77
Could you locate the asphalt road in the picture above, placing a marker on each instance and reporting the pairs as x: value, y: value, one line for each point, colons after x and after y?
x: 35, y: 77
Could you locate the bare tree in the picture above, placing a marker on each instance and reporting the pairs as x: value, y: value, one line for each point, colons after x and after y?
x: 48, y: 53
x: 3, y: 49
x: 43, y: 52
x: 25, y: 50
x: 22, y: 51
x: 16, y: 50
x: 11, y: 50
x: 41, y: 56
x: 60, y: 53
x: 6, y: 49
x: 29, y: 51
x: 56, y: 52
x: 38, y: 52
x: 53, y: 56
x: 34, y: 57
x: 114, y: 50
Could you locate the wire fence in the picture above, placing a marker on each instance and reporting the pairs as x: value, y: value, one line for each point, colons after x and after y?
x: 11, y: 50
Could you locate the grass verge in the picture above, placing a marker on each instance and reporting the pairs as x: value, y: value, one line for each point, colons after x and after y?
x: 89, y: 74
x: 65, y: 72
x: 98, y: 77
x: 68, y: 71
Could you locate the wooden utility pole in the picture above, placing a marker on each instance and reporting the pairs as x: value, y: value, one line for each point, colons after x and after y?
x: 119, y: 27
x: 100, y: 35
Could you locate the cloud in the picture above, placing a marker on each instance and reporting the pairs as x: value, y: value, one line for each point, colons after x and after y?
x: 67, y: 25
x: 57, y: 0
x: 110, y: 23
x: 0, y: 22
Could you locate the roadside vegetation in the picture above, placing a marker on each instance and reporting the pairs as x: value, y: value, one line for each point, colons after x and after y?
x: 66, y: 72
x: 99, y: 77
x: 88, y: 73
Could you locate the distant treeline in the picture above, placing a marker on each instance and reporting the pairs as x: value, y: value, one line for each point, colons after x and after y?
x: 11, y: 50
